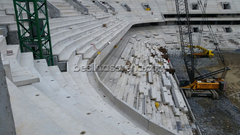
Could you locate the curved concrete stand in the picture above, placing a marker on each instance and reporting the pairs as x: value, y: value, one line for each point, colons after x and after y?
x: 132, y: 112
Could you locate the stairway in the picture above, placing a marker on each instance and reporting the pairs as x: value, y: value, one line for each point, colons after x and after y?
x: 15, y: 70
x: 65, y: 8
x: 94, y: 10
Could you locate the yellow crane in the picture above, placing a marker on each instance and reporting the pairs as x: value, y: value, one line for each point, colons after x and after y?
x: 205, y: 52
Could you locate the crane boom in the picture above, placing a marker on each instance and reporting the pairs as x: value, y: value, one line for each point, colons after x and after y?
x: 205, y: 19
x: 206, y: 86
x: 185, y: 36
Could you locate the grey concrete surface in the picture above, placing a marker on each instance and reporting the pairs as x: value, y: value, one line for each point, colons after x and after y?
x: 6, y: 117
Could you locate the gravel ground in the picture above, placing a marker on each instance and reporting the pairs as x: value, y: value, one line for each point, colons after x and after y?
x: 179, y: 66
x: 215, y: 117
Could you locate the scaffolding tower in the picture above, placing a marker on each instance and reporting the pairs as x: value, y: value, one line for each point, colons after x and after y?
x: 185, y: 36
x: 33, y: 28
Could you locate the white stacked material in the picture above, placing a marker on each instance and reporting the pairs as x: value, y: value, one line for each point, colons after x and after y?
x: 150, y: 77
x: 153, y: 96
x: 165, y: 97
x: 178, y: 99
x: 166, y: 81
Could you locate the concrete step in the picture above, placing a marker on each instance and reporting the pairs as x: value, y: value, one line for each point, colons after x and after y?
x: 89, y: 103
x: 70, y: 80
x: 28, y: 114
x: 57, y: 114
x: 74, y: 36
x: 64, y: 8
x: 5, y: 19
x: 3, y: 44
x: 57, y: 28
x: 73, y: 63
x: 67, y: 10
x: 107, y: 38
x: 27, y: 59
x: 2, y: 12
x: 6, y: 1
x: 6, y: 5
x: 24, y: 77
x: 76, y: 39
x: 14, y: 57
x: 85, y: 40
x: 57, y: 20
x: 60, y: 3
x: 57, y: 75
x: 42, y: 67
x: 21, y: 74
x: 70, y: 14
x: 84, y: 50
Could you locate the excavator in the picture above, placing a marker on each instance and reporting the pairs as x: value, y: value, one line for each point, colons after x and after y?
x: 201, y: 85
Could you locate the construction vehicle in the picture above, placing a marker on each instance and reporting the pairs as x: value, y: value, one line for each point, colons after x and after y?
x: 204, y: 52
x: 201, y: 85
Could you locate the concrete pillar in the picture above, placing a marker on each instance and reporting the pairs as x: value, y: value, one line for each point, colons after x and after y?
x: 6, y: 117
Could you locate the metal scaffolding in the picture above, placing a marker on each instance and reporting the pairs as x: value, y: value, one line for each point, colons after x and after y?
x: 33, y: 28
x: 185, y: 36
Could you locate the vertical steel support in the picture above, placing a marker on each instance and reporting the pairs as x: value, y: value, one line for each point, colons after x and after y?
x: 185, y: 36
x: 33, y: 28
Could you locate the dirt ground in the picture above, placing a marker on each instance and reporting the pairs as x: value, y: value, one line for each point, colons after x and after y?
x: 232, y: 60
x: 216, y: 117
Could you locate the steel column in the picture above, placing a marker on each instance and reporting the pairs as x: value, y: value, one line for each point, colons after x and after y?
x: 33, y: 28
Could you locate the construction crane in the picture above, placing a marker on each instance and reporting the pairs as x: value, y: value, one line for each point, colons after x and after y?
x: 205, y: 52
x: 201, y: 85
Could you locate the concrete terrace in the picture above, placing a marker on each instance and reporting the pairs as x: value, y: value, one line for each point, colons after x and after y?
x: 45, y: 100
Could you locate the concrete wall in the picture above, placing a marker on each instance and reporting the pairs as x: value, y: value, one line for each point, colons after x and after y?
x: 132, y: 112
x: 7, y: 126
